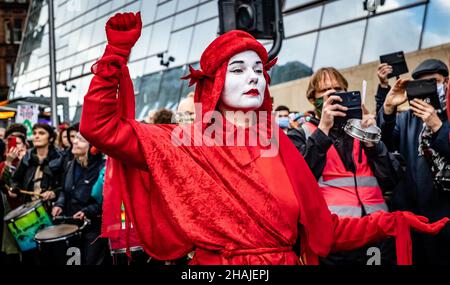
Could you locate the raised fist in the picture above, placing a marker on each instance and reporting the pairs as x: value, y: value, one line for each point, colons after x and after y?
x: 123, y: 30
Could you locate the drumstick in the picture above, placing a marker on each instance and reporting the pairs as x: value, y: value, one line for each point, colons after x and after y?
x: 26, y: 192
x: 31, y: 193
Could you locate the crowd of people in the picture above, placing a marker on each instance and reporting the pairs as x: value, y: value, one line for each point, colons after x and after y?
x: 324, y: 198
x: 58, y: 167
x: 407, y: 170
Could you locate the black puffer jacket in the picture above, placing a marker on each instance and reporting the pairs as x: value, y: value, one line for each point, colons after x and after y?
x: 52, y: 167
x: 77, y: 187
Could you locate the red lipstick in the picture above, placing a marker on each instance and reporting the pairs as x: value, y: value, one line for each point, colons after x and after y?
x: 252, y: 92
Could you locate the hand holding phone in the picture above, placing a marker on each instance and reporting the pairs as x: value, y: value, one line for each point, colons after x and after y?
x: 330, y: 111
x: 395, y: 97
x: 383, y: 71
x: 427, y: 114
x: 423, y: 89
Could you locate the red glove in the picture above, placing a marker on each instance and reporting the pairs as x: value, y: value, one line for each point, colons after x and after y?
x: 391, y: 223
x: 404, y: 222
x: 353, y: 233
x: 123, y: 30
x: 420, y: 223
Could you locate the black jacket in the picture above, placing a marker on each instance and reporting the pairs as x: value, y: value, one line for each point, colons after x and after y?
x: 381, y: 96
x: 67, y: 156
x: 52, y: 167
x: 76, y: 194
x: 416, y: 192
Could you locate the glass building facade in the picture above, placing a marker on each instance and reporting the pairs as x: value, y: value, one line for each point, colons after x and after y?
x: 337, y: 33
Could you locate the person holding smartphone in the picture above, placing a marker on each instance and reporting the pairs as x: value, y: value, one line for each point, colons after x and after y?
x: 352, y: 175
x: 16, y: 148
x: 420, y: 135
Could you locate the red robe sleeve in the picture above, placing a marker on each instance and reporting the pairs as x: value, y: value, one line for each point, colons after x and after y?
x: 101, y: 121
x: 108, y: 122
x: 353, y: 233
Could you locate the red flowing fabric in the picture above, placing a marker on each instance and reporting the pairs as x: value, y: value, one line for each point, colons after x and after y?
x: 157, y: 143
x: 213, y: 199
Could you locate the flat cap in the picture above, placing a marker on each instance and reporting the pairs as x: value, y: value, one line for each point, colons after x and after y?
x: 430, y: 66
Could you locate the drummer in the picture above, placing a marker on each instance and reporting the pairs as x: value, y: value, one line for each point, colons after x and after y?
x: 352, y: 175
x: 77, y: 200
x: 38, y: 174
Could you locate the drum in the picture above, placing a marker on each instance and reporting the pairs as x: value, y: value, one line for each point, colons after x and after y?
x: 118, y: 248
x: 371, y: 134
x: 138, y: 256
x: 60, y: 245
x: 24, y: 221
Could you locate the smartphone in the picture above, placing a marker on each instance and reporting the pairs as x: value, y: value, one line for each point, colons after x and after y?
x: 351, y: 100
x: 424, y: 89
x: 12, y: 142
x: 397, y: 61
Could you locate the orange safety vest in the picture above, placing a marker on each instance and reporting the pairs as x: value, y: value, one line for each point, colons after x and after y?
x: 346, y: 193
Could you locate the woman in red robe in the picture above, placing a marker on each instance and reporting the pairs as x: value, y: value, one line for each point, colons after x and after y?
x: 228, y: 204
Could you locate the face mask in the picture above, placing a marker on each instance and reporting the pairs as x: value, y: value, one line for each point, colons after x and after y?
x: 318, y: 103
x: 283, y: 122
x: 442, y: 95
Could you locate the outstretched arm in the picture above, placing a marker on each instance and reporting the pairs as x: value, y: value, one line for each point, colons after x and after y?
x: 103, y: 122
x: 353, y: 233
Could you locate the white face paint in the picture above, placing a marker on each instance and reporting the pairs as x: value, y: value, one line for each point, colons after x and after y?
x: 244, y: 82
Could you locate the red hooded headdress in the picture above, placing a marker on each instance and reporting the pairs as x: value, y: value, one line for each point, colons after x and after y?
x: 210, y: 79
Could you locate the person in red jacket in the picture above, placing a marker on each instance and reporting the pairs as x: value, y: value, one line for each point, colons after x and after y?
x: 230, y: 204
